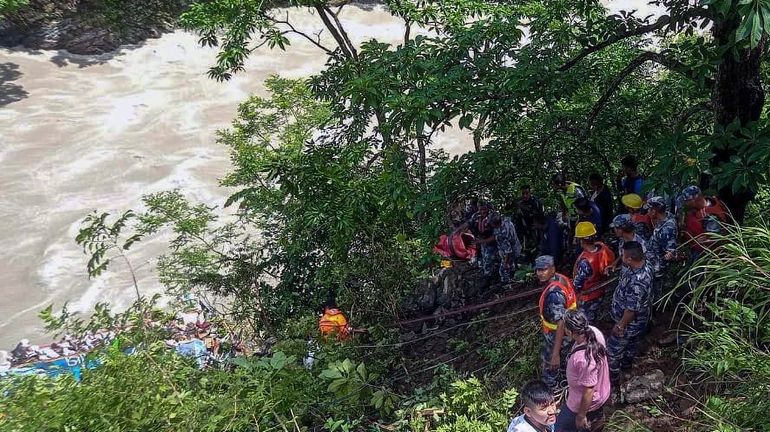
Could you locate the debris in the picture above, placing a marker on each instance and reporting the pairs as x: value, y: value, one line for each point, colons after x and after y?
x: 644, y: 387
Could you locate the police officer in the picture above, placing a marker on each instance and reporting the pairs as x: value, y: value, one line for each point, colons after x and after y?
x: 485, y: 238
x: 625, y: 231
x: 508, y: 245
x: 589, y: 268
x: 630, y: 310
x: 557, y: 297
x: 661, y: 248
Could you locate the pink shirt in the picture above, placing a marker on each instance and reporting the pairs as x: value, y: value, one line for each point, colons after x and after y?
x: 582, y: 373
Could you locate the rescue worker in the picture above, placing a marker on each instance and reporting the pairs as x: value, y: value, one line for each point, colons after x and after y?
x: 630, y: 181
x: 588, y: 211
x: 508, y: 245
x: 485, y: 239
x: 568, y: 192
x: 625, y: 231
x: 630, y: 310
x: 334, y: 323
x: 527, y: 207
x: 661, y: 248
x: 602, y: 197
x: 551, y: 236
x: 633, y: 205
x: 589, y: 269
x: 557, y: 297
x: 702, y: 215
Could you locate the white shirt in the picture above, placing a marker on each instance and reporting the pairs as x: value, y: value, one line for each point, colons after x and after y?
x: 520, y: 424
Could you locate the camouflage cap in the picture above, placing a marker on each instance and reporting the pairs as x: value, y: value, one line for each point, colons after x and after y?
x: 621, y: 220
x: 690, y: 192
x: 657, y: 202
x: 543, y: 262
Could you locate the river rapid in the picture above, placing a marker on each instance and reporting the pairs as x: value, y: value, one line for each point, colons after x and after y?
x: 79, y: 133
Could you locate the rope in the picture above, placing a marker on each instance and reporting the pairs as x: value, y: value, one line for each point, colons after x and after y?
x: 473, y: 307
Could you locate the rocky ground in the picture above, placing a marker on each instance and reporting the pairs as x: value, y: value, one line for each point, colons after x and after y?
x: 87, y: 26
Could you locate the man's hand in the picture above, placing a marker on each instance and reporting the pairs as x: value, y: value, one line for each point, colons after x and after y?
x: 554, y: 363
x: 618, y: 331
x: 668, y: 256
x: 581, y: 422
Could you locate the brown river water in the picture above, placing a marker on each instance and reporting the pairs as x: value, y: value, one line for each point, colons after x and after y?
x: 79, y: 133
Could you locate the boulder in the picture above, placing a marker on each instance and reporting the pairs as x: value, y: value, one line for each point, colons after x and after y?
x: 644, y: 387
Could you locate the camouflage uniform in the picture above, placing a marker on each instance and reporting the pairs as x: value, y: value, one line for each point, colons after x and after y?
x: 632, y: 293
x: 583, y: 273
x: 553, y: 310
x: 621, y: 242
x: 489, y: 256
x: 663, y: 240
x: 508, y: 246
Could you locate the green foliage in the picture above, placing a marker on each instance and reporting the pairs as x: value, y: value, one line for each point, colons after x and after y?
x: 11, y: 6
x: 729, y: 354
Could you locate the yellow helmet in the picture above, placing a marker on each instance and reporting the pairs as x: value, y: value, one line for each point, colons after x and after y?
x: 633, y: 201
x: 585, y: 229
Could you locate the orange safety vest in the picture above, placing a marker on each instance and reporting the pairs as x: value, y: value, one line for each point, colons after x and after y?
x: 563, y: 283
x: 334, y: 321
x: 599, y: 260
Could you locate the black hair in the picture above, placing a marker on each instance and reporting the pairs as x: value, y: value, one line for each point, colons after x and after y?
x: 535, y: 394
x: 633, y: 250
x: 630, y: 161
x: 628, y: 228
x: 596, y: 177
x: 525, y: 187
x: 582, y: 204
x: 558, y: 179
x: 577, y: 322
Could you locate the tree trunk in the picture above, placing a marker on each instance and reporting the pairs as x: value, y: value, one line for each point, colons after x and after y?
x: 737, y: 94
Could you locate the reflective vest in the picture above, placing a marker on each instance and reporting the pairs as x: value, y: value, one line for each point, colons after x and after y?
x: 599, y: 260
x: 694, y: 221
x: 574, y: 190
x: 333, y: 321
x: 562, y: 283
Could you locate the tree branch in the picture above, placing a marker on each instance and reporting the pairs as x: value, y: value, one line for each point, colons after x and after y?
x: 342, y: 31
x: 642, y: 58
x: 662, y: 22
x: 333, y: 30
x: 316, y: 42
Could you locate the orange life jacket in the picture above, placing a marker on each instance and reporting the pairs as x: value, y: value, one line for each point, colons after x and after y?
x: 334, y: 321
x: 562, y: 283
x: 599, y: 260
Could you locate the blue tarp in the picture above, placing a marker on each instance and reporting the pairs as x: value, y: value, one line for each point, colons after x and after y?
x: 193, y: 348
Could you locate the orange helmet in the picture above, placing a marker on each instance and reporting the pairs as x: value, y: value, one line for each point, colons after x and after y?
x: 332, y: 322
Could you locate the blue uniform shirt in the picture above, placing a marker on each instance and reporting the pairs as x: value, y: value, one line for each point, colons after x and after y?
x: 633, y: 293
x: 662, y: 240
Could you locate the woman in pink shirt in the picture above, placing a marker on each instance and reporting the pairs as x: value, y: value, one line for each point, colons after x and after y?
x: 588, y: 375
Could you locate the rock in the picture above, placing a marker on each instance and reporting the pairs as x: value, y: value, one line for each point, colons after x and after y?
x: 86, y: 27
x: 426, y: 296
x: 644, y: 387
